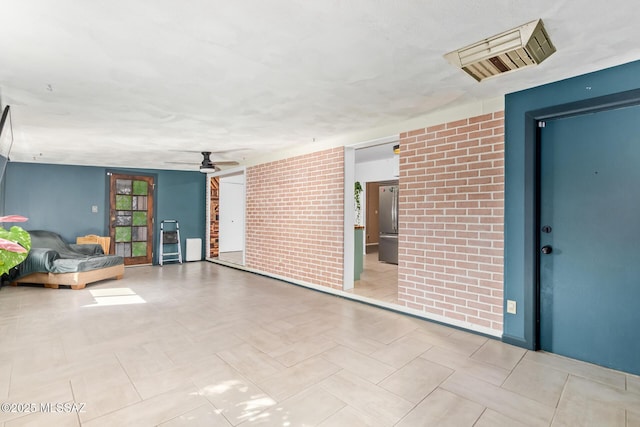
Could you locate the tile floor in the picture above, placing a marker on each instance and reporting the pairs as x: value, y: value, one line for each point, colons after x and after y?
x: 378, y: 280
x: 201, y: 344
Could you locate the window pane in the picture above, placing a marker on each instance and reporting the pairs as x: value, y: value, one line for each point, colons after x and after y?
x: 123, y: 218
x: 123, y: 203
x: 140, y: 188
x: 139, y: 234
x: 123, y: 186
x: 139, y: 249
x: 139, y: 203
x: 139, y: 218
x: 123, y: 234
x: 123, y: 249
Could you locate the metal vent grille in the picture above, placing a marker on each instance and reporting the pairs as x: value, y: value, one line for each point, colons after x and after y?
x: 509, y: 51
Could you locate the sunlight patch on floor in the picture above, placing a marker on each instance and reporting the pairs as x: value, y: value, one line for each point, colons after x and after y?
x: 114, y: 296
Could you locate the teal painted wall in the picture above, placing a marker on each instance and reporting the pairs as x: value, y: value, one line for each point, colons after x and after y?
x: 520, y: 183
x: 59, y: 198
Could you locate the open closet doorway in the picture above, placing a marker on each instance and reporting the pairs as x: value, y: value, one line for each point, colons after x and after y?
x: 226, y: 216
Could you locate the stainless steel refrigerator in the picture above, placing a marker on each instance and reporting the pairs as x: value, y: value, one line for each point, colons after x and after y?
x: 388, y: 217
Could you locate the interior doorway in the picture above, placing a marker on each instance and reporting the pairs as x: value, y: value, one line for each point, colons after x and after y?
x: 226, y: 216
x: 231, y: 217
x: 375, y: 163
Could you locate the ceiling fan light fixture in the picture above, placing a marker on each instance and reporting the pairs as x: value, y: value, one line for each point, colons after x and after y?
x: 511, y: 50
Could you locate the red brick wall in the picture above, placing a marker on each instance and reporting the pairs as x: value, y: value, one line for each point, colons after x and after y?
x: 295, y: 217
x: 451, y: 220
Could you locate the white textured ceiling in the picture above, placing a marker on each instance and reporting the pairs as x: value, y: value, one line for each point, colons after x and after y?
x: 135, y: 82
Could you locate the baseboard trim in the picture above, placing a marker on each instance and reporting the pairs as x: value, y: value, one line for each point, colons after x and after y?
x: 518, y: 342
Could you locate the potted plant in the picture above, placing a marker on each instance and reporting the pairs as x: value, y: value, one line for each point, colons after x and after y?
x: 15, y: 244
x: 357, y: 190
x: 358, y: 232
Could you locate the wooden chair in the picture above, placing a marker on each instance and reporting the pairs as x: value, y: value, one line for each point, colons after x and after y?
x: 105, y: 242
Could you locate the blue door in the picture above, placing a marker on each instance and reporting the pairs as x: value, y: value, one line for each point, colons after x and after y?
x: 590, y: 238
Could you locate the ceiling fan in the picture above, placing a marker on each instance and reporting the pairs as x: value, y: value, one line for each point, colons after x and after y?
x: 207, y: 165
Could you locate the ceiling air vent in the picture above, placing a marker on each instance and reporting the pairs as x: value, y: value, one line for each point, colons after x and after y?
x: 521, y: 47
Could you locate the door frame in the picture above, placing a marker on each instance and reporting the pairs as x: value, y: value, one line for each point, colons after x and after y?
x: 107, y: 212
x: 532, y: 224
x: 348, y: 264
x: 240, y: 170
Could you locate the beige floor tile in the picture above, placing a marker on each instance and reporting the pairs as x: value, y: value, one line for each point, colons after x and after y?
x: 49, y: 354
x: 510, y: 404
x: 465, y: 344
x: 105, y: 400
x: 144, y: 360
x: 578, y: 368
x: 236, y: 397
x: 306, y: 330
x: 500, y: 354
x: 537, y: 382
x: 442, y: 408
x: 576, y: 411
x: 60, y: 373
x: 51, y: 393
x: 251, y: 362
x: 352, y: 339
x: 387, y: 331
x: 8, y: 325
x: 263, y: 339
x: 633, y: 418
x: 350, y: 417
x: 5, y: 378
x: 154, y: 411
x: 202, y: 347
x: 416, y: 380
x: 359, y: 364
x: 578, y: 388
x: 491, y: 418
x: 104, y: 389
x: 315, y: 317
x: 45, y: 419
x: 301, y: 350
x: 460, y: 363
x: 293, y: 380
x: 167, y: 379
x: 633, y: 383
x: 204, y: 416
x: 433, y: 328
x: 402, y: 351
x: 367, y: 397
x: 308, y: 408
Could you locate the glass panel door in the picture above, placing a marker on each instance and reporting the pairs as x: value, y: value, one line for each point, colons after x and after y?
x: 131, y: 220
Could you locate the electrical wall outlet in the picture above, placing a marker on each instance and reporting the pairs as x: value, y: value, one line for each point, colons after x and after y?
x: 511, y: 306
x: 94, y: 209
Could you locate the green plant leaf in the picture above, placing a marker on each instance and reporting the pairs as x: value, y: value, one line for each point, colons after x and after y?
x: 9, y: 259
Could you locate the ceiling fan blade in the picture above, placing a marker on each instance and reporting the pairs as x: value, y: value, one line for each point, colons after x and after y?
x: 225, y: 163
x: 175, y: 150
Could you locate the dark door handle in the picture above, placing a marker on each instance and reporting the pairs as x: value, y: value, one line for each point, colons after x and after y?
x: 547, y: 249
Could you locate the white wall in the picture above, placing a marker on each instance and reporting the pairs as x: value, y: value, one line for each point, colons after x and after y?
x: 377, y: 170
x: 232, y: 197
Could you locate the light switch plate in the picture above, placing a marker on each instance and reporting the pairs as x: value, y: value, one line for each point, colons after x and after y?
x: 94, y: 209
x: 511, y: 306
